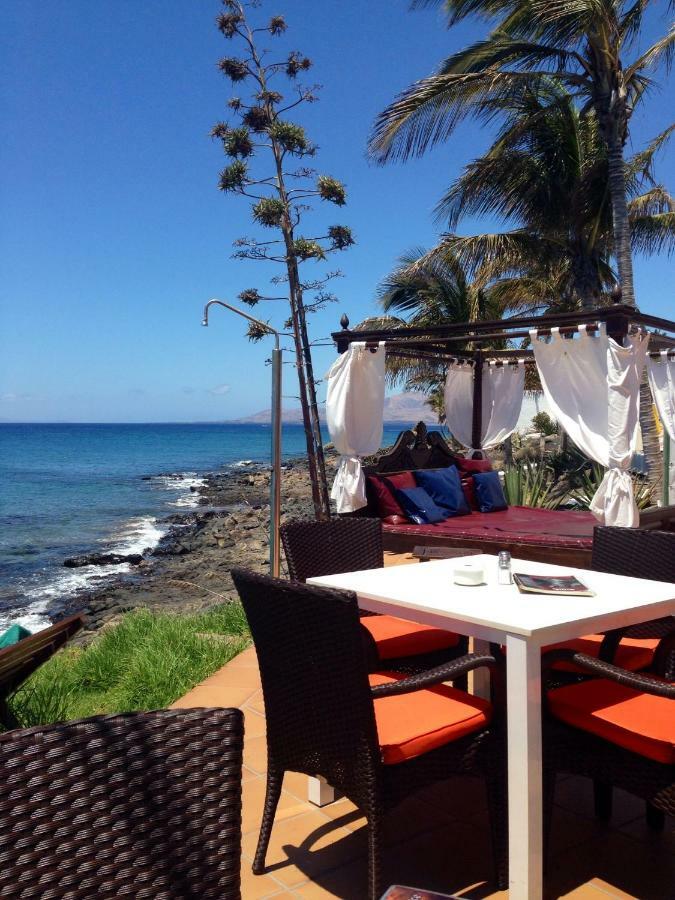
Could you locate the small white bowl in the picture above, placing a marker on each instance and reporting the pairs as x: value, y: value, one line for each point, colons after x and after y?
x: 469, y: 575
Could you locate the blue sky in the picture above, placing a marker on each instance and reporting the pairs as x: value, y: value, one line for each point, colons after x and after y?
x: 114, y: 234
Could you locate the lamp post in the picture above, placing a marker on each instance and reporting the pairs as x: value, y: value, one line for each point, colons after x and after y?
x: 275, y: 473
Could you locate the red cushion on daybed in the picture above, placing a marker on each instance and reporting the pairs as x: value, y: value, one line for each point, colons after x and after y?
x: 383, y: 486
x: 470, y: 466
x: 517, y: 524
x: 469, y: 492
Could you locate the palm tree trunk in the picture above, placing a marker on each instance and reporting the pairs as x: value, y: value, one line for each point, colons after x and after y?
x: 651, y: 444
x: 621, y: 222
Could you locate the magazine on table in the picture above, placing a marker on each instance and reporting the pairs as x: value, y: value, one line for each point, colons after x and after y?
x: 562, y: 585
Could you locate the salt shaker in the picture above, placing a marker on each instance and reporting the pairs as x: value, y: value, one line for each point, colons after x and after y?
x: 504, y: 568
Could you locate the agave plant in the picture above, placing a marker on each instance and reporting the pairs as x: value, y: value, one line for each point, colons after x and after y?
x: 530, y: 484
x: 589, y: 481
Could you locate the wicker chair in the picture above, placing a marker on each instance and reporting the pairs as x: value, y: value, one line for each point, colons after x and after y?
x: 143, y: 805
x: 618, y: 729
x: 636, y: 553
x: 351, y: 545
x: 324, y: 716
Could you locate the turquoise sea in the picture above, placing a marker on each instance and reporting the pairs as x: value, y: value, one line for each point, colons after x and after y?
x: 68, y: 489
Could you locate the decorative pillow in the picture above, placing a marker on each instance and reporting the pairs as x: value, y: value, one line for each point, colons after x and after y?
x: 396, y: 520
x: 471, y: 466
x: 385, y: 502
x: 419, y: 506
x: 469, y: 492
x: 489, y: 492
x: 445, y: 489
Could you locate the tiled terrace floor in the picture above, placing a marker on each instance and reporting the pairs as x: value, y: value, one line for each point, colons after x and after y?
x: 439, y: 840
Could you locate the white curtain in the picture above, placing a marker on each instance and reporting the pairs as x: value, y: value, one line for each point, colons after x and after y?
x: 502, y: 402
x: 661, y: 373
x: 592, y: 386
x: 354, y: 414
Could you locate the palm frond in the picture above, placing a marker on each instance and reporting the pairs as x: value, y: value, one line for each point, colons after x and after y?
x: 662, y: 52
x: 653, y: 234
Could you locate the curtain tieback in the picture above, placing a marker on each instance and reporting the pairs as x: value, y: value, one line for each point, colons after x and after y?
x: 349, y: 486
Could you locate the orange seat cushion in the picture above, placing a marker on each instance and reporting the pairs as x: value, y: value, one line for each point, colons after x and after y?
x: 398, y: 637
x: 639, y: 722
x: 409, y: 725
x: 632, y: 653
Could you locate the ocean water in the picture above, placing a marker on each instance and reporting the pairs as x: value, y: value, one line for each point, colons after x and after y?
x: 69, y: 489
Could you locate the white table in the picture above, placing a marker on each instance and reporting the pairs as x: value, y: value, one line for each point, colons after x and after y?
x: 525, y: 623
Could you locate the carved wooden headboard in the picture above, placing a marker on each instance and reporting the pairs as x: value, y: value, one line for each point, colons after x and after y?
x: 414, y: 449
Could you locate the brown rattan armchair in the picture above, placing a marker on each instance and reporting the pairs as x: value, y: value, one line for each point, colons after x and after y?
x: 352, y: 545
x: 618, y: 728
x: 636, y: 553
x: 370, y: 737
x: 143, y: 805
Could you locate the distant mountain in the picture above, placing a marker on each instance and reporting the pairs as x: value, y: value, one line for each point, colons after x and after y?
x: 399, y: 409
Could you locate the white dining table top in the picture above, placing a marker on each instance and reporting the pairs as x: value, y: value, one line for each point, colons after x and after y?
x: 427, y: 593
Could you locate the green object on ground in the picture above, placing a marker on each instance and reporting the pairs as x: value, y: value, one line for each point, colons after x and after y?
x: 13, y: 635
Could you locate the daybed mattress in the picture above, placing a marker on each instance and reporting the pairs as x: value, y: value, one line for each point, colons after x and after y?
x: 517, y: 524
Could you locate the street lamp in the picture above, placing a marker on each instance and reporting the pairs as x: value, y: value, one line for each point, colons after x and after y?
x: 275, y: 476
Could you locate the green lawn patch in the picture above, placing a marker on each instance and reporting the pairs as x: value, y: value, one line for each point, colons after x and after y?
x: 145, y: 662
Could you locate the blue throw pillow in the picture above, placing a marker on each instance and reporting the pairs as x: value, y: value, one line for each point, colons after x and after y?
x: 419, y: 506
x: 444, y: 486
x: 489, y: 492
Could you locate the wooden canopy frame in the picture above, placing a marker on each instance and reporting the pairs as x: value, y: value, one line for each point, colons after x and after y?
x: 439, y: 343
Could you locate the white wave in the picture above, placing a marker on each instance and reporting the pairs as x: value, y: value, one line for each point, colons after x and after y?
x: 242, y: 463
x: 182, y: 483
x: 135, y: 536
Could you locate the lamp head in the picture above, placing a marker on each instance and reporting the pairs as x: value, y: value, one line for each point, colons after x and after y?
x: 205, y: 322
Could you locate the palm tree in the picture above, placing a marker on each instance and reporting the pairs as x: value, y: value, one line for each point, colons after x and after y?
x: 581, y: 42
x: 427, y: 289
x: 546, y: 173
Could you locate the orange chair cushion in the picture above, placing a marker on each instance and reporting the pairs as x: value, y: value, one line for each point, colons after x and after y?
x: 639, y: 722
x: 632, y: 653
x: 409, y: 725
x: 398, y: 637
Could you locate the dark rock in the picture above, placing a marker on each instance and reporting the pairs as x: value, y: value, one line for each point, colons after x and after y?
x: 102, y: 559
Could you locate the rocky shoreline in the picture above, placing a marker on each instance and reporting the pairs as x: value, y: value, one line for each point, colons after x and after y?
x: 189, y: 569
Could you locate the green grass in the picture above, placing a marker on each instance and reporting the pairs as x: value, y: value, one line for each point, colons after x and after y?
x: 145, y: 662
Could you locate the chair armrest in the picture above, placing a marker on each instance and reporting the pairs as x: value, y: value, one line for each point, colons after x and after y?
x: 447, y: 672
x: 599, y: 667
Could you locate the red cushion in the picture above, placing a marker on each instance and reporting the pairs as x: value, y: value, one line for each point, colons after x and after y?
x: 409, y: 725
x: 383, y: 487
x: 641, y: 723
x: 398, y: 637
x: 632, y: 653
x: 471, y: 466
x: 469, y: 492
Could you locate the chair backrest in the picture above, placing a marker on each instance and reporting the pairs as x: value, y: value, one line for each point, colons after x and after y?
x: 23, y: 658
x: 147, y: 804
x: 319, y: 711
x: 332, y: 547
x: 635, y: 552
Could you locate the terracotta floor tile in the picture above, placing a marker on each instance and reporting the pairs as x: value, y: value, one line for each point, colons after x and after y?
x: 255, y: 753
x: 303, y: 846
x: 256, y: 703
x: 254, y: 723
x: 253, y: 798
x: 257, y: 887
x: 247, y: 658
x: 214, y: 695
x: 576, y: 794
x: 623, y: 865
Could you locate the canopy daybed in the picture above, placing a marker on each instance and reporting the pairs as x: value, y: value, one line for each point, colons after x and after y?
x: 590, y: 365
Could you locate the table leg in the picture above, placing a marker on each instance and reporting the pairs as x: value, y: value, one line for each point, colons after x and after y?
x: 319, y: 792
x: 523, y: 680
x: 479, y: 679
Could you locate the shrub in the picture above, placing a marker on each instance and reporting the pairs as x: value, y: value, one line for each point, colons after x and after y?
x: 530, y: 484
